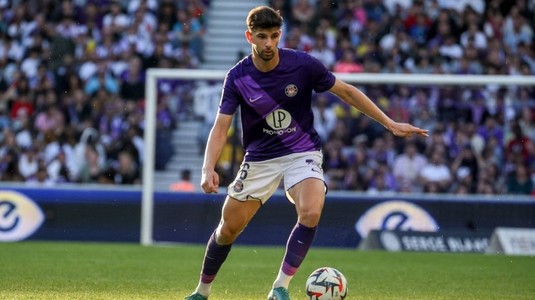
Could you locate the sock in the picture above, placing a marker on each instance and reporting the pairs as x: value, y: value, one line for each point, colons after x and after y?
x: 213, y: 259
x: 299, y: 242
x: 204, y: 289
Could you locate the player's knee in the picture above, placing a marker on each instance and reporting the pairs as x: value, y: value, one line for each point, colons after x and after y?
x: 310, y: 218
x: 227, y: 234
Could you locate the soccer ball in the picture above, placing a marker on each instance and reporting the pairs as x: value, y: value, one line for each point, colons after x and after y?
x: 326, y: 284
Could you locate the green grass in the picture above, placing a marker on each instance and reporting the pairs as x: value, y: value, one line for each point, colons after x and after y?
x: 47, y: 270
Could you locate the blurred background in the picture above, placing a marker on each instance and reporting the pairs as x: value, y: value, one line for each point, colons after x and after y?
x: 72, y: 91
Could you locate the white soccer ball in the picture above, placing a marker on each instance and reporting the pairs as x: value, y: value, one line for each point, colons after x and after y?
x: 326, y: 284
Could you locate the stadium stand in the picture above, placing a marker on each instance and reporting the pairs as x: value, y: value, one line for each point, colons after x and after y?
x: 72, y: 88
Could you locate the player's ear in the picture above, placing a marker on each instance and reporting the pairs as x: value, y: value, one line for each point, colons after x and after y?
x: 249, y: 36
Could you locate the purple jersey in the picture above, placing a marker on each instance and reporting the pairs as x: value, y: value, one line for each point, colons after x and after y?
x: 276, y: 106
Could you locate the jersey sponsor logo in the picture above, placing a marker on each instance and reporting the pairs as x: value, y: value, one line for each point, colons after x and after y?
x: 253, y: 100
x: 279, y: 132
x: 20, y: 217
x: 279, y: 121
x: 290, y: 90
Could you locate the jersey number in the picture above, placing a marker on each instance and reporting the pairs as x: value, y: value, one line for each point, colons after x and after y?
x: 243, y: 171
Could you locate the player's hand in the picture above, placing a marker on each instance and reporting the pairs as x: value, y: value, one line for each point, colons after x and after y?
x: 209, y: 181
x: 407, y: 130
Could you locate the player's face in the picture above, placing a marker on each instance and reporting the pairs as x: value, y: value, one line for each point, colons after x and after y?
x: 264, y: 42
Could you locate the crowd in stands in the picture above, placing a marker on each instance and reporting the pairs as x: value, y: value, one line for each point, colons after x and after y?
x: 482, y: 138
x: 72, y: 89
x: 72, y: 85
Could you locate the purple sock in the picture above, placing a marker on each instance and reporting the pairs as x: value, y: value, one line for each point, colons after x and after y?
x: 213, y: 259
x: 297, y: 247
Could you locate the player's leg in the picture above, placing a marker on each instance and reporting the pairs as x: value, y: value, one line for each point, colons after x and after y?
x: 253, y: 185
x: 309, y: 197
x: 235, y: 216
x: 307, y: 191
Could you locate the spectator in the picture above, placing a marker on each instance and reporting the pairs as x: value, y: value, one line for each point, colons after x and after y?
x: 435, y: 176
x: 450, y: 50
x: 466, y: 167
x: 90, y: 139
x: 30, y: 64
x: 101, y: 79
x: 28, y: 162
x: 184, y: 184
x: 189, y: 29
x: 40, y: 179
x: 133, y: 84
x: 166, y: 14
x: 383, y: 181
x: 24, y: 134
x: 78, y: 109
x: 135, y: 5
x: 22, y: 107
x: 418, y: 25
x: 491, y: 128
x: 126, y: 170
x: 186, y: 57
x: 518, y: 144
x: 144, y: 21
x: 516, y: 30
x: 397, y: 110
x: 51, y: 119
x: 519, y: 181
x: 324, y: 116
x: 335, y: 165
x: 115, y: 21
x: 348, y: 63
x: 407, y: 168
x: 475, y: 36
x: 92, y: 166
x: 527, y: 121
x: 58, y: 170
x: 323, y: 53
x: 303, y: 11
x: 9, y: 157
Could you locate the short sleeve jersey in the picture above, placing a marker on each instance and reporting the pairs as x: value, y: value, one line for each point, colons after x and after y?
x: 276, y: 106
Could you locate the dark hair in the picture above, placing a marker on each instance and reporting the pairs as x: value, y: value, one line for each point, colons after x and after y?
x: 263, y: 17
x: 185, y: 174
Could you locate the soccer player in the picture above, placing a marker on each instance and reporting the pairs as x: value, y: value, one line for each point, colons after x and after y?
x: 273, y: 88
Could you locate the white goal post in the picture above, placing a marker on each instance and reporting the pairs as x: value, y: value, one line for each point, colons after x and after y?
x: 152, y: 76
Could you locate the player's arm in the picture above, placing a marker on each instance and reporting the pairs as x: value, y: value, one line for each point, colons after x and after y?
x: 354, y: 97
x: 216, y: 142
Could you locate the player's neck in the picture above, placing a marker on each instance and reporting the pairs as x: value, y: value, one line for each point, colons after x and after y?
x: 265, y: 66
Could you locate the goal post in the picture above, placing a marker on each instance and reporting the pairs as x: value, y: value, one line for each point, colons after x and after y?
x: 153, y: 75
x: 149, y: 137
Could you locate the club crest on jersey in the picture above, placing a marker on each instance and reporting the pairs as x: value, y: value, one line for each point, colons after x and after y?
x: 290, y: 90
x: 238, y: 186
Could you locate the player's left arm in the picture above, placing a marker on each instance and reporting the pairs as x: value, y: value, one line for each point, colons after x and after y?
x: 356, y: 98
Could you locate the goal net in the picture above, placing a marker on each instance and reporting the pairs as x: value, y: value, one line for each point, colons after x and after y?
x: 468, y: 87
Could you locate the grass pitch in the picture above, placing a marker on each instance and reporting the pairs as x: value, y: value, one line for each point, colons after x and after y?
x: 61, y: 270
